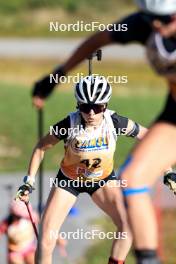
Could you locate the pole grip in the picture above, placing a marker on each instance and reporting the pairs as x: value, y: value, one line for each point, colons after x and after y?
x: 99, y: 55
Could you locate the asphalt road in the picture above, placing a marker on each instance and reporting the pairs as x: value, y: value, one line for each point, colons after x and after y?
x: 61, y: 49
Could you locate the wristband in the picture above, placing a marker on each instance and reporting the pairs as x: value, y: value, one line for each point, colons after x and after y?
x: 29, y: 180
x: 168, y: 171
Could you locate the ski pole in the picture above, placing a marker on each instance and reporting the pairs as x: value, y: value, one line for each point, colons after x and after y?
x: 97, y: 54
x: 40, y: 135
x: 32, y: 220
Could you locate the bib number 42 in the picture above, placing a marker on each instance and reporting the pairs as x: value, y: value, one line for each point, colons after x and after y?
x: 94, y: 163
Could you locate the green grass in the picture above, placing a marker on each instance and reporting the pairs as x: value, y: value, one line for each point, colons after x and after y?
x: 70, y: 5
x: 100, y: 251
x: 18, y: 119
x: 168, y: 236
x: 20, y: 18
x: 19, y: 123
x: 141, y: 79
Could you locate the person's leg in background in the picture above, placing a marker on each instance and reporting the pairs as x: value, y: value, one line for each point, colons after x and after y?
x: 155, y: 153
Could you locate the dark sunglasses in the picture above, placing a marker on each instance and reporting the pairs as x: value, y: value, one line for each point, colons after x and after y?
x: 164, y: 19
x: 86, y: 108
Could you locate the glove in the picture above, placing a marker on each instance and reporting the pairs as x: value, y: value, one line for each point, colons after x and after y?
x: 25, y: 189
x: 170, y: 181
x: 43, y: 88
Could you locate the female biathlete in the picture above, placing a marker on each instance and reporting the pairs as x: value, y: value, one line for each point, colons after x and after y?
x: 88, y: 161
x: 154, y: 26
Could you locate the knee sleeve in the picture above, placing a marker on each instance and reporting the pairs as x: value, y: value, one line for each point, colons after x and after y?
x: 147, y: 257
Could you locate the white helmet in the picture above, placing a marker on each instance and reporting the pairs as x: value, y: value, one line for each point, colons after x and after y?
x: 93, y: 89
x: 158, y: 7
x: 162, y: 55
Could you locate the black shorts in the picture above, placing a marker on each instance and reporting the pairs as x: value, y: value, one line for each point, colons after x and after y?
x: 169, y: 113
x: 76, y: 186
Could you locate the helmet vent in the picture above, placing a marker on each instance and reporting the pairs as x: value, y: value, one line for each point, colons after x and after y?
x: 78, y: 92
